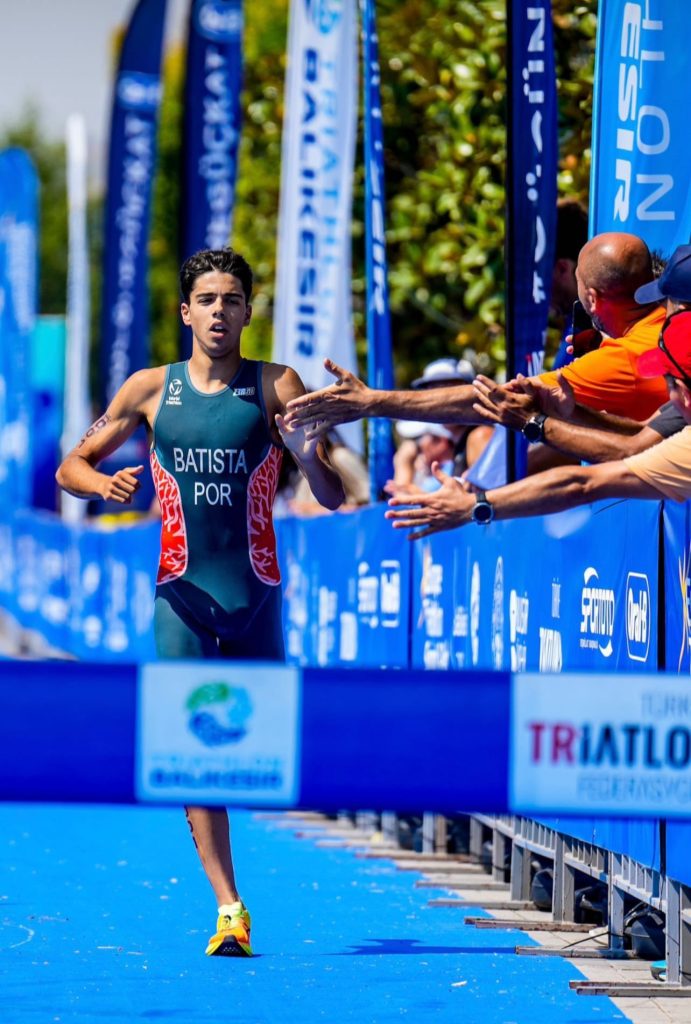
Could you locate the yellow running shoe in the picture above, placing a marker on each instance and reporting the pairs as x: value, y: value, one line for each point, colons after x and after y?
x: 232, y: 936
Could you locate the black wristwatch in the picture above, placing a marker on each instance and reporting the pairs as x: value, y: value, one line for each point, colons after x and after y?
x: 534, y: 429
x: 483, y: 510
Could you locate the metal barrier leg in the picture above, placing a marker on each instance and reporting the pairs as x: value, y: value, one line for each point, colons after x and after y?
x: 477, y: 832
x: 520, y: 872
x: 389, y: 828
x: 564, y: 887
x: 615, y: 902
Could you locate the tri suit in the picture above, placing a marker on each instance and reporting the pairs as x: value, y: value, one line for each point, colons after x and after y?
x: 215, y: 468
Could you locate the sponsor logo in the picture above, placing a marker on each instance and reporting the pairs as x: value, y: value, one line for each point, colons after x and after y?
x: 498, y: 615
x: 519, y: 607
x: 244, y: 392
x: 219, y: 21
x: 139, y: 91
x: 475, y: 613
x: 324, y: 14
x: 218, y: 713
x: 597, y: 611
x: 637, y: 616
x: 550, y: 650
x: 174, y: 392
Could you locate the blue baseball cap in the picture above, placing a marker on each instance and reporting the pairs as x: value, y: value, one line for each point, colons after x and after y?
x: 673, y: 283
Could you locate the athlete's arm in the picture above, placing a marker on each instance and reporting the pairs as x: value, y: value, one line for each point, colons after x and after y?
x: 281, y: 384
x: 133, y: 405
x: 553, y: 491
x: 350, y: 399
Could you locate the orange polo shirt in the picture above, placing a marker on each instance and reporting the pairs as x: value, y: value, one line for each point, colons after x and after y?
x: 607, y: 379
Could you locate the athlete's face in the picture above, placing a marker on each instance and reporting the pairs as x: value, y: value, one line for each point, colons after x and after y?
x: 217, y: 312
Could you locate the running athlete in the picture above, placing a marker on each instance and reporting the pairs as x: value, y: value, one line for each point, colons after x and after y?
x: 217, y: 432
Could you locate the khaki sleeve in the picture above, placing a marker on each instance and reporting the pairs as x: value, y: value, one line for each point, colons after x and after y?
x: 667, y: 466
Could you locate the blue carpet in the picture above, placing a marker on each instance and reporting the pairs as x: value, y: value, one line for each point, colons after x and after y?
x: 105, y: 914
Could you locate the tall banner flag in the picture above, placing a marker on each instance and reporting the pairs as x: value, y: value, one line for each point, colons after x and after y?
x: 212, y: 127
x: 124, y: 327
x: 18, y: 301
x: 77, y: 404
x: 379, y: 361
x: 531, y: 188
x: 641, y: 160
x: 313, y: 316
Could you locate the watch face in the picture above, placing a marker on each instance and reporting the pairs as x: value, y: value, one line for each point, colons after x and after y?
x: 534, y: 430
x: 483, y: 512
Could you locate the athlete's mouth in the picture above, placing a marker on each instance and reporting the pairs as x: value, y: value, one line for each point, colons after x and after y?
x: 218, y: 329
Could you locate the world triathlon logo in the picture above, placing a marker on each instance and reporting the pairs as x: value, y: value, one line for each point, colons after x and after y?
x: 218, y: 714
x: 219, y: 20
x: 324, y: 14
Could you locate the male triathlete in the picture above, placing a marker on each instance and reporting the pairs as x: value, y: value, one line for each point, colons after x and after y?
x: 217, y: 429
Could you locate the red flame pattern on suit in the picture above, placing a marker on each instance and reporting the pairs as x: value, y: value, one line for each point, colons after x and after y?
x: 261, y: 491
x: 174, y: 554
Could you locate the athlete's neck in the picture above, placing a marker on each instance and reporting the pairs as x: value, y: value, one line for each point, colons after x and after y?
x: 213, y: 374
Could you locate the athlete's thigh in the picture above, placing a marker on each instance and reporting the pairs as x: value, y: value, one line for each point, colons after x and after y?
x: 177, y: 635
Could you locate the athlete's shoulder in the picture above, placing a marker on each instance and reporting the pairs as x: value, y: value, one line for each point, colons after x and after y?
x: 141, y: 387
x: 279, y: 372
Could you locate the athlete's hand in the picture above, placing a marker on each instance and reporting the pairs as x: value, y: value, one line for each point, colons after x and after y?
x: 121, y: 486
x: 444, y: 509
x: 346, y: 400
x: 301, y: 441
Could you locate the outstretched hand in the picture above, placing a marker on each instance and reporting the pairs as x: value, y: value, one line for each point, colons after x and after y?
x: 444, y: 509
x: 123, y: 485
x: 508, y: 406
x: 341, y: 402
x: 557, y: 400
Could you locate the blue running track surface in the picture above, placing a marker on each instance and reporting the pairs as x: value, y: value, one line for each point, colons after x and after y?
x: 105, y: 915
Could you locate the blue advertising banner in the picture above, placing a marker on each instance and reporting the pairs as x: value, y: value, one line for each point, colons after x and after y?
x: 213, y: 85
x: 641, y: 162
x: 479, y: 603
x: 137, y: 92
x: 346, y: 583
x: 379, y: 357
x: 18, y: 301
x: 532, y: 182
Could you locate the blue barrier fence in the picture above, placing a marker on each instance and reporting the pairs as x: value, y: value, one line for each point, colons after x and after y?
x: 583, y: 590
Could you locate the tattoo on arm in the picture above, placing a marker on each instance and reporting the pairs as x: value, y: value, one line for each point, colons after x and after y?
x: 189, y: 822
x: 95, y: 428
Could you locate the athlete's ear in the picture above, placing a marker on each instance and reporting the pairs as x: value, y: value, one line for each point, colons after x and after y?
x: 185, y: 314
x: 248, y: 316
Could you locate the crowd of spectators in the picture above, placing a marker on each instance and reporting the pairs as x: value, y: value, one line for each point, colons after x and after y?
x: 613, y: 421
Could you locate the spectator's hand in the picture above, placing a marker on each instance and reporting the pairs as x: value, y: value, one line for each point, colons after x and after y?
x: 346, y: 400
x: 444, y: 509
x: 122, y: 486
x: 402, y: 490
x: 497, y: 404
x: 554, y: 400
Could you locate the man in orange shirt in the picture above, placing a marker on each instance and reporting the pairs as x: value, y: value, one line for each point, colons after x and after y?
x: 610, y: 269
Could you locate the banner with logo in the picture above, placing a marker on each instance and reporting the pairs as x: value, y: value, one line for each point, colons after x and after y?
x: 592, y: 606
x: 131, y: 162
x: 18, y: 301
x: 615, y: 744
x: 219, y: 734
x: 531, y: 189
x: 213, y: 84
x: 345, y: 603
x: 312, y: 318
x: 379, y: 356
x: 641, y: 162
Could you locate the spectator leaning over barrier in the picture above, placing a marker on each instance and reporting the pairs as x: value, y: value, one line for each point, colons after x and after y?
x: 547, y: 414
x: 610, y: 269
x: 663, y: 471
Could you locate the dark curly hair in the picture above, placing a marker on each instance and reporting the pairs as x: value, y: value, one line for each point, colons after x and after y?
x: 226, y: 260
